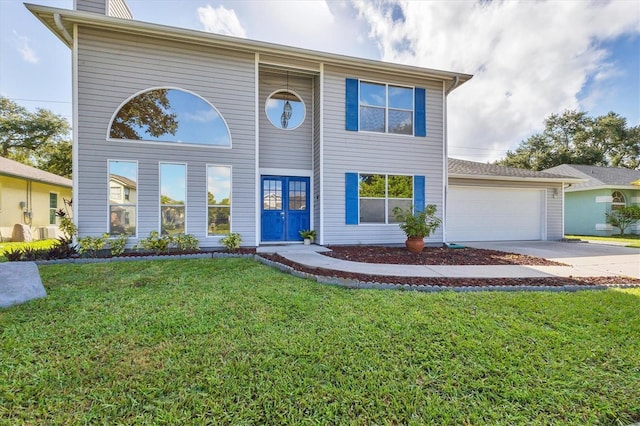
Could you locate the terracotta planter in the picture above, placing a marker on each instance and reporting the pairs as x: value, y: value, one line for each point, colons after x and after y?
x: 415, y: 244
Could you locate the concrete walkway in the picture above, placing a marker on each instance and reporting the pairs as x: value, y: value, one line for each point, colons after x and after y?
x: 310, y: 256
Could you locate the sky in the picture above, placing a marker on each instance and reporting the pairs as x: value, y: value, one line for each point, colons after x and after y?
x: 529, y: 58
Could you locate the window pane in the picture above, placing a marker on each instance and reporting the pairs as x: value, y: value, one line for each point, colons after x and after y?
x: 170, y: 115
x: 172, y: 220
x: 400, y: 122
x: 372, y: 119
x: 218, y: 185
x: 372, y: 211
x: 173, y: 183
x: 400, y: 97
x: 53, y: 200
x: 297, y: 195
x: 373, y: 94
x: 285, y: 116
x: 405, y: 204
x: 400, y: 187
x: 122, y: 220
x: 219, y: 221
x: 272, y: 194
x: 52, y: 216
x: 372, y: 186
x: 123, y: 176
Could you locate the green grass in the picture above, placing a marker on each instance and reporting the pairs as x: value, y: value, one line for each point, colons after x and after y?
x: 230, y: 341
x: 11, y: 246
x: 631, y: 240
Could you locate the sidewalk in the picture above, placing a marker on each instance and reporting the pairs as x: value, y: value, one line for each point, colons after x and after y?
x: 310, y: 256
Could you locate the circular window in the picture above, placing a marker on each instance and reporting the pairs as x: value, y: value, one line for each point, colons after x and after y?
x: 285, y: 109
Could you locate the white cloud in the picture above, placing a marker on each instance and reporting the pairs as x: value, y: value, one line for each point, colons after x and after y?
x: 22, y: 44
x: 221, y: 21
x: 529, y: 59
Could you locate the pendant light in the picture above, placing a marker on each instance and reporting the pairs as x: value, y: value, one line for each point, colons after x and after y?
x: 286, y: 111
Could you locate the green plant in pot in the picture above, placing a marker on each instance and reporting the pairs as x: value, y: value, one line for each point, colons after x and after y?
x: 417, y: 225
x: 308, y: 235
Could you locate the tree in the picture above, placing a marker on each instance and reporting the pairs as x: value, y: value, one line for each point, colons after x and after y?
x: 623, y: 217
x: 148, y: 111
x: 37, y: 139
x: 575, y: 138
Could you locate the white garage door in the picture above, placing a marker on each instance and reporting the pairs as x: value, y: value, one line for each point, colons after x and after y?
x: 494, y: 214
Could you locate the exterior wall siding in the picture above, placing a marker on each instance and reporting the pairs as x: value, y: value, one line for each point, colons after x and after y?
x: 95, y: 6
x: 286, y: 148
x: 113, y: 67
x: 583, y: 213
x: 553, y: 222
x: 317, y: 195
x: 349, y: 151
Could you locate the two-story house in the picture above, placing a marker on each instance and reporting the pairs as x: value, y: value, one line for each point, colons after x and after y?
x: 209, y: 134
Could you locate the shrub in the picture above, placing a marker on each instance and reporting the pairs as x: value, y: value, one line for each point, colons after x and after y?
x: 92, y: 245
x: 155, y: 243
x: 15, y: 255
x: 624, y: 217
x: 232, y: 241
x: 185, y: 242
x: 417, y: 224
x: 63, y: 249
x: 118, y: 244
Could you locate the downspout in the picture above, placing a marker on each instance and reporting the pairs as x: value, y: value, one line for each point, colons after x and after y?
x: 445, y: 171
x: 65, y: 34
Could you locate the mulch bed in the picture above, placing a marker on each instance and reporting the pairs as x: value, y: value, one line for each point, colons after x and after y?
x: 445, y: 256
x: 434, y: 256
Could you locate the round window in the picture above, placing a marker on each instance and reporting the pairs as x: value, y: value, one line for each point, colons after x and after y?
x: 285, y: 109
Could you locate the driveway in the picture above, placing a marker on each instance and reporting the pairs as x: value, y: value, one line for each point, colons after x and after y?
x: 588, y: 257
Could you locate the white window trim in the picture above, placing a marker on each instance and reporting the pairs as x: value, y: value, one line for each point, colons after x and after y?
x: 186, y: 195
x: 54, y: 209
x: 297, y: 95
x: 206, y: 201
x: 129, y: 204
x: 386, y: 197
x: 386, y: 108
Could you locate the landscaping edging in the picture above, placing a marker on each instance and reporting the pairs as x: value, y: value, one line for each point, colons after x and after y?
x: 371, y: 285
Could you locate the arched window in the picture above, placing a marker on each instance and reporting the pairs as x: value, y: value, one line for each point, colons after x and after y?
x: 169, y: 115
x: 617, y: 200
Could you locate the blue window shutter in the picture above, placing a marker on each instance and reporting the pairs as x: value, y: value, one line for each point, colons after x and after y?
x: 420, y: 112
x: 418, y: 193
x: 351, y: 106
x: 351, y: 198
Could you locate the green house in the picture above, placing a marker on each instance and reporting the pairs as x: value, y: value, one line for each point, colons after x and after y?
x: 605, y: 189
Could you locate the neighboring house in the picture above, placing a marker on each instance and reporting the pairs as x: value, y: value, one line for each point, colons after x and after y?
x: 490, y: 202
x: 29, y: 196
x: 219, y: 134
x: 604, y: 189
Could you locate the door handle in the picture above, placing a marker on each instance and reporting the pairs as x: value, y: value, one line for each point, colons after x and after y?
x: 282, y: 215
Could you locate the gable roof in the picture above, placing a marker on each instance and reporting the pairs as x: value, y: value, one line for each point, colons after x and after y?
x: 22, y: 171
x: 599, y: 177
x: 474, y: 170
x: 62, y: 22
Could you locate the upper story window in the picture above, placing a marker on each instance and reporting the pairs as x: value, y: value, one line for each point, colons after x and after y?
x: 171, y: 116
x: 285, y: 109
x: 617, y: 200
x: 386, y: 108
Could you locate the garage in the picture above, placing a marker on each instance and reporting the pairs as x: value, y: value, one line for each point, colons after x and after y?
x: 495, y: 214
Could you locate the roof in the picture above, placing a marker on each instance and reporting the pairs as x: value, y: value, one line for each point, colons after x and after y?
x: 61, y: 22
x: 474, y: 170
x: 124, y: 181
x: 22, y: 171
x: 599, y: 177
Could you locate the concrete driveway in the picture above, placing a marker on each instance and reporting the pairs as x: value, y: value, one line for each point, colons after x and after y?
x: 602, y: 259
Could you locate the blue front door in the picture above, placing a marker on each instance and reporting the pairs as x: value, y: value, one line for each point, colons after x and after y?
x: 285, y: 207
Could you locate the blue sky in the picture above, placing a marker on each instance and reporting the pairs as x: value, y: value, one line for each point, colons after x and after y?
x: 529, y: 59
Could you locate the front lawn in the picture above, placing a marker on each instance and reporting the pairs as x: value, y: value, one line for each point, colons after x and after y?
x: 631, y: 240
x: 230, y: 341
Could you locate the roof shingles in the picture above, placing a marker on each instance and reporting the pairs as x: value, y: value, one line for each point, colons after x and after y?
x: 19, y: 170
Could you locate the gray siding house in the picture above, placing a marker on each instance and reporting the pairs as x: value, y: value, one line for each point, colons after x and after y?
x: 219, y: 134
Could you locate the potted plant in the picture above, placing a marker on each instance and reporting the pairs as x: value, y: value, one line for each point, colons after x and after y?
x: 309, y: 235
x: 417, y: 225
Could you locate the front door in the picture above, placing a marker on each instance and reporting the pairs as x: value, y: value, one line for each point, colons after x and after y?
x: 285, y: 207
